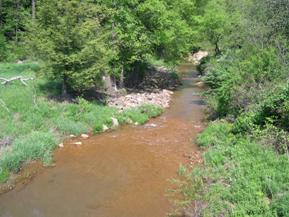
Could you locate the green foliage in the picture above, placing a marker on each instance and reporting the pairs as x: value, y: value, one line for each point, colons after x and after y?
x: 4, y: 175
x: 271, y: 136
x: 215, y: 133
x: 33, y: 146
x: 66, y: 126
x: 79, y: 51
x: 239, y: 79
x: 140, y: 114
x: 241, y: 178
x: 215, y: 24
x: 3, y: 48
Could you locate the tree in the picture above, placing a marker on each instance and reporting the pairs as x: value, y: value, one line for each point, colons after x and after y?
x: 149, y: 29
x: 215, y: 23
x: 69, y: 37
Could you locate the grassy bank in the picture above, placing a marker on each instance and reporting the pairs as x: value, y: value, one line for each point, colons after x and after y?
x: 31, y: 125
x: 240, y: 177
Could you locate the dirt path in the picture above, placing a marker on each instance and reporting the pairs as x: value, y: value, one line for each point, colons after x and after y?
x: 117, y: 174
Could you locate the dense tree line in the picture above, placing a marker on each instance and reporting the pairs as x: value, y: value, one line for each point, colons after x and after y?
x: 82, y: 41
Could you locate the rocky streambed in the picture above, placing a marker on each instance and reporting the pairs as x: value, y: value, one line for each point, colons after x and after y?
x: 159, y: 98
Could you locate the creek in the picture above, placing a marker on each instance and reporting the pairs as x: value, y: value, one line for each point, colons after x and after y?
x: 122, y: 173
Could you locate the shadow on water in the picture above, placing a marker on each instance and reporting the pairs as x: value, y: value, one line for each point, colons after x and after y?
x: 121, y: 173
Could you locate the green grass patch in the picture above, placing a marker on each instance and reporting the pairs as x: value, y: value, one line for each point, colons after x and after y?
x: 141, y: 114
x: 215, y: 133
x: 239, y: 177
x: 4, y: 175
x: 34, y: 146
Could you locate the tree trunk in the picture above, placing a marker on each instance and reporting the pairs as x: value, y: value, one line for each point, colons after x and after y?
x: 217, y: 49
x: 17, y: 20
x: 121, y: 80
x: 1, y: 18
x: 64, y: 93
x: 109, y: 84
x: 33, y: 3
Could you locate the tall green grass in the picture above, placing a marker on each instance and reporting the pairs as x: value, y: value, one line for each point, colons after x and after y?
x: 239, y: 178
x: 34, y: 124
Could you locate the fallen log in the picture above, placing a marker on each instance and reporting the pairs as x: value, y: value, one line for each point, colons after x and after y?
x: 22, y: 79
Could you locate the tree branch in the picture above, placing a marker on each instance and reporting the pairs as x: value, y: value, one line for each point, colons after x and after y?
x: 20, y: 78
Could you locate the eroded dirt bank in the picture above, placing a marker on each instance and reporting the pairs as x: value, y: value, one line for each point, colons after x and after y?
x: 122, y: 173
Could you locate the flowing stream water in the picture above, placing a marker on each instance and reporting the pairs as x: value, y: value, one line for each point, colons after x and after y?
x: 123, y: 173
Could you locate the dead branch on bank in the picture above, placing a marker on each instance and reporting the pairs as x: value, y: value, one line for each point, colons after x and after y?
x: 22, y: 79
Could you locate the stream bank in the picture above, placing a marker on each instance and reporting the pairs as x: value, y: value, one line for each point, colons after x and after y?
x: 120, y: 173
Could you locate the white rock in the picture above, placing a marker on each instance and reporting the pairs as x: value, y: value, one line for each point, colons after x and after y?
x: 72, y: 136
x: 105, y: 128
x: 114, y: 122
x: 151, y: 125
x: 136, y: 123
x: 77, y: 143
x: 84, y: 136
x: 61, y: 145
x: 129, y: 121
x: 197, y: 126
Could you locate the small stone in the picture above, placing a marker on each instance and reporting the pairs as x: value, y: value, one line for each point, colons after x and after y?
x: 105, y: 128
x: 114, y: 122
x: 200, y: 84
x: 151, y: 125
x: 78, y: 143
x: 136, y: 123
x: 72, y: 136
x: 197, y: 126
x: 61, y: 145
x: 84, y: 136
x: 129, y: 121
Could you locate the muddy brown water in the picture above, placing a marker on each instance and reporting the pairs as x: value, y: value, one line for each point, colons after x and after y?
x: 123, y: 173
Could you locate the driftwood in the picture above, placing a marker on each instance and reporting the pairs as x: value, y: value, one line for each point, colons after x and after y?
x: 19, y: 78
